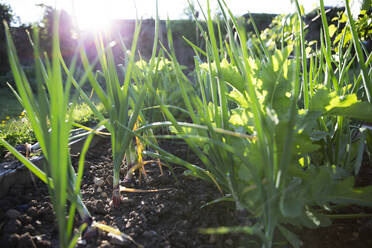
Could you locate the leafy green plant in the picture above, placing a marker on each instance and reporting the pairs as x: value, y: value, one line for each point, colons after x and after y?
x: 255, y: 126
x: 16, y: 131
x: 340, y: 31
x: 48, y: 116
x: 160, y: 74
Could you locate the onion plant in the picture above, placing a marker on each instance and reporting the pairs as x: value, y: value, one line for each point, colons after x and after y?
x: 122, y: 109
x: 49, y: 112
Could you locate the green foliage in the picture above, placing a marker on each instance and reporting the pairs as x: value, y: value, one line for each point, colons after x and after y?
x: 260, y: 139
x: 47, y: 113
x: 277, y: 124
x: 122, y: 107
x: 83, y: 114
x: 342, y: 34
x: 162, y: 77
x: 16, y: 131
x: 281, y: 31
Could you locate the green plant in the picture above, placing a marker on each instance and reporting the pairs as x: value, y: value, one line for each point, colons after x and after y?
x: 122, y: 109
x: 160, y: 74
x: 16, y: 131
x: 256, y: 126
x: 48, y: 116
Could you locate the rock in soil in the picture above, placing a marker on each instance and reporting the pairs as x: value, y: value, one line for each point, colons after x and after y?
x: 25, y: 241
x: 12, y: 214
x: 12, y: 226
x: 98, y: 181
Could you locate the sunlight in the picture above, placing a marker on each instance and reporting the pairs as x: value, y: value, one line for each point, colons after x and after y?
x: 89, y: 21
x: 91, y: 15
x: 95, y: 15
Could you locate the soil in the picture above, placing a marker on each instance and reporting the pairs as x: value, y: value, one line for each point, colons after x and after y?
x: 169, y: 218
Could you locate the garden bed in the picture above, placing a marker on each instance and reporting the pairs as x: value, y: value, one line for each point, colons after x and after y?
x: 168, y: 218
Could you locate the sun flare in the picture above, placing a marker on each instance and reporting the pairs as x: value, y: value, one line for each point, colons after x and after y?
x: 91, y: 16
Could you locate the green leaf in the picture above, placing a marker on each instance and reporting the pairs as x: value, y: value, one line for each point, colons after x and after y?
x: 329, y: 103
x: 239, y: 118
x: 332, y: 30
x: 343, y: 18
x: 320, y: 100
x: 304, y: 145
x: 341, y: 102
x: 359, y: 111
x: 239, y: 98
x: 290, y: 236
x: 291, y: 202
x: 319, y: 220
x: 229, y: 72
x: 343, y: 192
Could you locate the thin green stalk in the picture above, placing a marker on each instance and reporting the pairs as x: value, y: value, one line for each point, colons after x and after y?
x: 365, y: 78
x: 328, y: 48
x: 305, y: 78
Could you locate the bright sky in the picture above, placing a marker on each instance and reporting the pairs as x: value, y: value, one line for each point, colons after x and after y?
x: 99, y: 12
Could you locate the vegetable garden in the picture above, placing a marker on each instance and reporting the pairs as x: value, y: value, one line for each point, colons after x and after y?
x: 270, y: 134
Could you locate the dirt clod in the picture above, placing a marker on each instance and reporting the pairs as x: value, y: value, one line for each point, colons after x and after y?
x: 25, y: 241
x: 12, y: 214
x: 32, y: 211
x: 12, y: 226
x: 98, y: 181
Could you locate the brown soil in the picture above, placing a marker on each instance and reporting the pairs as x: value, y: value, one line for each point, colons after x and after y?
x: 162, y: 219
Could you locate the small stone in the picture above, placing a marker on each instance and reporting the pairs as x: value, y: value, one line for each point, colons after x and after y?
x: 212, y: 239
x: 13, y: 226
x: 109, y: 180
x: 99, y: 207
x: 149, y: 234
x: 128, y: 225
x: 98, y: 181
x: 99, y: 189
x: 81, y: 241
x: 127, y: 201
x: 29, y: 228
x: 229, y: 242
x: 13, y: 240
x: 12, y: 214
x: 90, y: 234
x: 355, y: 235
x: 32, y: 211
x: 154, y: 219
x: 164, y: 179
x: 25, y: 219
x: 117, y: 240
x: 25, y: 241
x: 104, y: 194
x: 105, y: 244
x: 41, y: 241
